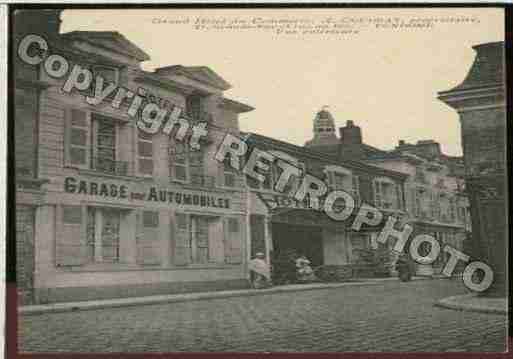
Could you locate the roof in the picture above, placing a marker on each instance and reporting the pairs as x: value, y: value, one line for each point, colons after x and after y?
x: 302, y: 152
x: 199, y: 73
x: 487, y: 68
x: 110, y: 40
x: 238, y: 107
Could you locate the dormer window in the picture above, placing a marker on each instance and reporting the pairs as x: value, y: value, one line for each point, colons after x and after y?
x: 109, y: 74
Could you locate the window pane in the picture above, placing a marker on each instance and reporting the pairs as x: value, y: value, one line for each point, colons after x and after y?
x: 110, y: 235
x: 180, y: 173
x: 145, y: 149
x: 181, y: 221
x: 78, y: 118
x: 229, y: 180
x: 107, y: 73
x: 233, y: 225
x: 146, y: 166
x: 72, y: 214
x: 78, y: 137
x: 77, y: 156
x: 150, y: 219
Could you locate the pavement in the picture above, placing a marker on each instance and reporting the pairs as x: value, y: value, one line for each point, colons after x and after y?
x: 473, y: 302
x: 389, y: 316
x: 185, y: 297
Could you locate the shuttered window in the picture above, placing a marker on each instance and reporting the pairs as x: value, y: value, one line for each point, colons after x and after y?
x: 148, y: 243
x: 145, y: 153
x: 233, y: 241
x: 77, y: 138
x: 70, y: 237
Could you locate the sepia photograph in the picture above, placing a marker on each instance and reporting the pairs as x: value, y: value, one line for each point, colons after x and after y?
x: 202, y: 179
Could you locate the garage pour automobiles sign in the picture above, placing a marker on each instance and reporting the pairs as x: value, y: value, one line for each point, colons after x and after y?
x: 153, y: 194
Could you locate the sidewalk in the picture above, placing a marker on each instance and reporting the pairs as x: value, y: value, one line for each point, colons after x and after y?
x: 473, y: 303
x: 185, y: 297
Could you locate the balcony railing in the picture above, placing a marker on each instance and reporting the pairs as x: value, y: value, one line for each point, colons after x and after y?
x: 107, y: 165
x: 203, y: 181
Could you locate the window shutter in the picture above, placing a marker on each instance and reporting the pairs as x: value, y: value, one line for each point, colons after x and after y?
x: 148, y: 244
x: 376, y: 185
x: 77, y: 138
x: 71, y: 235
x: 182, y: 249
x: 356, y: 189
x: 216, y: 241
x: 233, y: 240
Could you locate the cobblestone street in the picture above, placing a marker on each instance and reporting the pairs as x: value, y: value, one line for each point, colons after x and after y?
x: 391, y: 316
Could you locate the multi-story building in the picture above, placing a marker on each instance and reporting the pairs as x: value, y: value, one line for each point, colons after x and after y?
x: 481, y: 105
x: 280, y: 225
x: 106, y: 210
x: 436, y: 203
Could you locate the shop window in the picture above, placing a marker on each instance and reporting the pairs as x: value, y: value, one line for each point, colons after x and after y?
x: 103, y: 229
x: 205, y: 239
x: 145, y: 153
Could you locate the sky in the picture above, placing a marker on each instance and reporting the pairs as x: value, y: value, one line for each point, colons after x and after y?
x: 384, y: 80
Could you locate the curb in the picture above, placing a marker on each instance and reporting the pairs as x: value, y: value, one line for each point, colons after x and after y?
x: 175, y: 298
x: 185, y: 297
x: 454, y: 302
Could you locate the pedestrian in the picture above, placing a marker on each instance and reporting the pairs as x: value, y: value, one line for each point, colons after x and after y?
x: 260, y: 275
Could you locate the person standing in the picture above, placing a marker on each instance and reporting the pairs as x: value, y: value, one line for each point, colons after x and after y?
x: 260, y: 274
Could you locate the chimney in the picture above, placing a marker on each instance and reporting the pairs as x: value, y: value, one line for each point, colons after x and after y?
x: 401, y: 142
x: 350, y: 134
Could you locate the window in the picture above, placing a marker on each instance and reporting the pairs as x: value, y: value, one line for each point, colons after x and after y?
x: 77, y: 138
x: 145, y: 153
x: 387, y: 194
x: 355, y: 190
x: 193, y: 107
x: 339, y: 178
x: 207, y: 239
x: 188, y: 165
x: 109, y: 74
x: 229, y: 174
x: 103, y: 229
x: 91, y: 142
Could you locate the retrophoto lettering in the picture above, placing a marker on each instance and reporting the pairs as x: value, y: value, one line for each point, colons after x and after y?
x: 278, y: 180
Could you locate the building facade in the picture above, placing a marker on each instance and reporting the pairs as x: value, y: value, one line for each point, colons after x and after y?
x: 481, y: 105
x: 435, y: 200
x: 105, y: 210
x: 281, y: 227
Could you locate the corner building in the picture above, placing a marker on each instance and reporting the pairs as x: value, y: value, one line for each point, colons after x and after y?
x: 109, y: 211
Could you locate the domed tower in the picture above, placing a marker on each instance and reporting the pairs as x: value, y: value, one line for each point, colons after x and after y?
x: 323, y: 129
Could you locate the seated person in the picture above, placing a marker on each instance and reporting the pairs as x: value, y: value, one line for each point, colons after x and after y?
x: 305, y: 272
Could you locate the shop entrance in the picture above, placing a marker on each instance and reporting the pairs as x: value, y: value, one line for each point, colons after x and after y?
x: 290, y: 241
